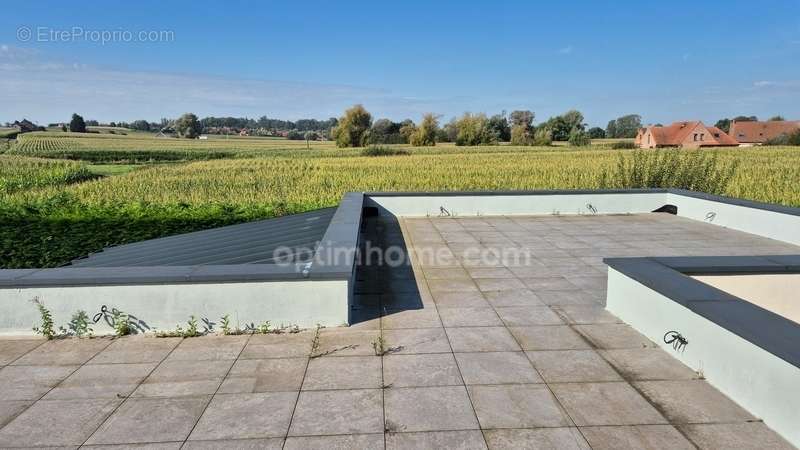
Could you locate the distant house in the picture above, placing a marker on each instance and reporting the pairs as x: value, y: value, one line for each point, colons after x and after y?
x: 751, y: 132
x: 684, y: 135
x: 26, y: 126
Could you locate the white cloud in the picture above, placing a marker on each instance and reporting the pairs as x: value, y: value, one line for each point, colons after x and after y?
x: 565, y: 50
x: 777, y: 84
x: 49, y: 91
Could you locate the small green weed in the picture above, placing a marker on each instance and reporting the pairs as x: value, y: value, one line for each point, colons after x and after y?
x: 79, y: 324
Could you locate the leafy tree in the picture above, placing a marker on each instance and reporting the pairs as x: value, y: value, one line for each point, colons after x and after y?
x: 521, y: 135
x: 77, y: 124
x: 92, y: 123
x: 295, y: 135
x: 777, y: 118
x: 141, y: 125
x: 522, y: 118
x: 475, y: 130
x: 579, y: 138
x: 499, y: 125
x: 724, y: 125
x: 522, y: 131
x: 311, y: 135
x: 561, y: 126
x: 353, y: 128
x: 425, y: 134
x: 596, y: 133
x: 188, y: 126
x: 746, y: 119
x: 384, y: 131
x: 624, y: 127
x: 449, y: 131
x: 542, y: 136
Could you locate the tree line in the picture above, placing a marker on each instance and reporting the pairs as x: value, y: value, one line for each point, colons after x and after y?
x: 356, y: 128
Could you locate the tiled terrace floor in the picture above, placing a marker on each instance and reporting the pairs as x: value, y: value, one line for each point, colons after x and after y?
x: 504, y: 354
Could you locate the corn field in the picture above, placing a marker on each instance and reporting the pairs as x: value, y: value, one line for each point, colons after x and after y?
x: 64, y: 214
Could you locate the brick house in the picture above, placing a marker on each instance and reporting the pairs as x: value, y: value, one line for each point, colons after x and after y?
x: 683, y: 134
x: 748, y: 132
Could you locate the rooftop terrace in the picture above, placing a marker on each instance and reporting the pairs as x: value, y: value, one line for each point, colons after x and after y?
x: 487, y: 349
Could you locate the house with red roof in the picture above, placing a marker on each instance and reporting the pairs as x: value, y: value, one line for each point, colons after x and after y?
x: 752, y: 132
x: 692, y: 134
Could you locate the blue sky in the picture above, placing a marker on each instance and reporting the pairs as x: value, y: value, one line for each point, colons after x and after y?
x: 664, y: 60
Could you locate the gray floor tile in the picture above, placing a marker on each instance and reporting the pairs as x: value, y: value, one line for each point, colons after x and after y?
x: 64, y: 352
x: 136, y: 350
x: 284, y: 345
x: 338, y: 412
x: 549, y: 338
x: 606, y: 404
x: 462, y: 440
x: 246, y: 416
x: 564, y: 366
x: 490, y: 272
x: 184, y: 378
x: 11, y: 408
x: 539, y: 438
x: 586, y: 314
x: 101, y: 381
x: 11, y: 349
x: 735, y: 436
x: 344, y: 442
x: 460, y: 300
x: 481, y: 339
x: 264, y: 375
x: 539, y: 284
x: 238, y: 444
x: 692, y: 401
x: 469, y: 317
x: 57, y: 423
x: 348, y: 372
x: 439, y: 369
x: 335, y: 342
x: 446, y: 273
x: 452, y: 285
x: 423, y: 340
x: 611, y: 336
x: 514, y: 297
x: 496, y: 368
x: 636, y: 437
x: 498, y: 284
x: 209, y: 348
x: 428, y: 409
x: 648, y: 364
x: 426, y: 317
x: 30, y: 382
x: 518, y: 316
x: 516, y: 406
x: 150, y: 420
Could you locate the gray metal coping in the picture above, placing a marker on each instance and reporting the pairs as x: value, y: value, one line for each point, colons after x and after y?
x: 669, y: 276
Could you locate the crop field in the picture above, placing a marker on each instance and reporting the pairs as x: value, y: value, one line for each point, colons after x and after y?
x: 19, y: 174
x: 52, y: 210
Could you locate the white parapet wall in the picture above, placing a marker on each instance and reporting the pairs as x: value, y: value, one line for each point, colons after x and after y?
x: 520, y: 203
x: 304, y: 303
x: 758, y: 380
x: 775, y: 222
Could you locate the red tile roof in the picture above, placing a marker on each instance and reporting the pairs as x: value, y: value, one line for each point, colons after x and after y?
x: 721, y: 137
x: 761, y: 131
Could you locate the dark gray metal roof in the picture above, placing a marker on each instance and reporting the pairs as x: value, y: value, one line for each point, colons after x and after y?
x: 246, y: 243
